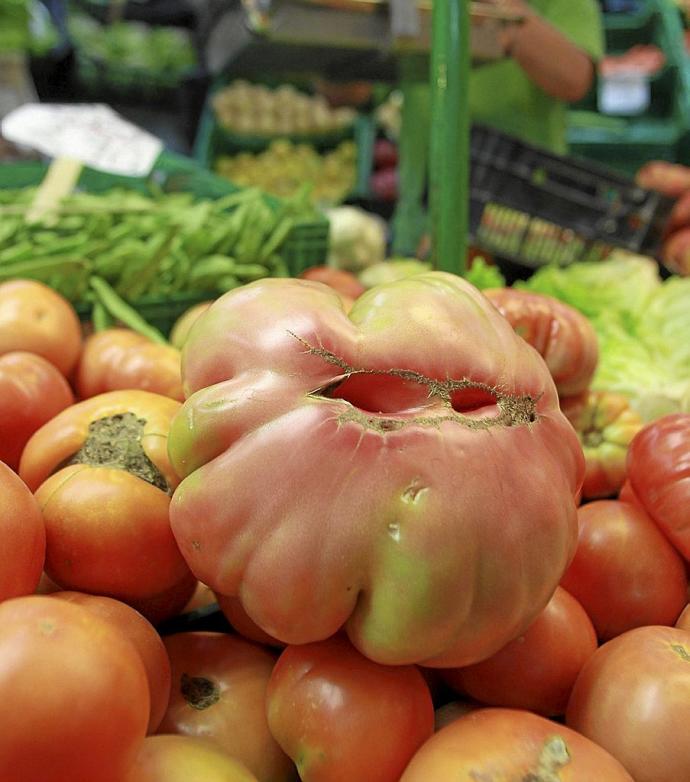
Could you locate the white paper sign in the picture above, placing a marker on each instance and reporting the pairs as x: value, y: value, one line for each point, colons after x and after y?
x: 624, y: 93
x: 91, y: 133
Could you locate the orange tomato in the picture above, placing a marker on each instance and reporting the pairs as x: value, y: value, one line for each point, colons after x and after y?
x: 219, y: 692
x: 74, y: 701
x: 144, y: 638
x: 37, y: 319
x: 625, y: 573
x: 185, y: 759
x: 23, y: 537
x: 121, y: 360
x: 508, y: 744
x: 633, y: 699
x: 32, y: 391
x: 101, y: 475
x: 183, y: 325
x: 537, y: 670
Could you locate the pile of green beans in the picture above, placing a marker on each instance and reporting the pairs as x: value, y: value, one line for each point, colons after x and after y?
x: 145, y: 246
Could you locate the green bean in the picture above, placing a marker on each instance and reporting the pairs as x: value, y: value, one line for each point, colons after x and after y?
x: 120, y: 310
x: 100, y: 317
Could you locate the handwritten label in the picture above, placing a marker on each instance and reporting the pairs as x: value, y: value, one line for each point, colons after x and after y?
x: 94, y: 134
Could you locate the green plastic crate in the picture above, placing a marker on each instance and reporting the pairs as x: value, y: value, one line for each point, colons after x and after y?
x: 307, y: 244
x: 662, y: 132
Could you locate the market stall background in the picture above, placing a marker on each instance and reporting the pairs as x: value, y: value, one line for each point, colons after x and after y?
x: 165, y: 368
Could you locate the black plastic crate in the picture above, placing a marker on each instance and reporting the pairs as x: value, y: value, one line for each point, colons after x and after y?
x: 530, y: 207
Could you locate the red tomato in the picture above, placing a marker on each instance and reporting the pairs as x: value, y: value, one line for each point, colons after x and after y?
x: 144, y: 638
x: 494, y: 745
x: 237, y: 616
x: 625, y: 573
x: 342, y: 717
x: 122, y: 360
x: 183, y: 325
x: 74, y: 700
x: 537, y: 670
x: 101, y: 475
x: 658, y: 469
x: 633, y: 699
x: 36, y: 319
x: 185, y: 759
x: 32, y: 391
x: 23, y: 537
x: 219, y: 692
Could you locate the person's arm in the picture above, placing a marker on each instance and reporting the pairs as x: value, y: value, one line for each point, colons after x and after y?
x: 550, y: 59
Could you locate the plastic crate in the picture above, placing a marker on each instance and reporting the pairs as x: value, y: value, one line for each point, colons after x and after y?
x: 306, y: 245
x: 662, y: 131
x: 529, y: 207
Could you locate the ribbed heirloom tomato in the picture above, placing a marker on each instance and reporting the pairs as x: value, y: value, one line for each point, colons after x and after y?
x: 101, y: 475
x: 403, y: 470
x: 562, y: 335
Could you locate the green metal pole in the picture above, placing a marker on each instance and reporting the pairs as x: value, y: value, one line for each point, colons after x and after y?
x: 450, y: 131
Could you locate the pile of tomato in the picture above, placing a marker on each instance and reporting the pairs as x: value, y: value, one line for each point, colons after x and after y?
x: 438, y: 554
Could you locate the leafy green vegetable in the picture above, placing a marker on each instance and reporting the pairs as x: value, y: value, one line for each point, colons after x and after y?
x: 482, y: 275
x: 643, y: 327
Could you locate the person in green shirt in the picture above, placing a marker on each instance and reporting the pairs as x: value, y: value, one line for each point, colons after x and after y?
x: 550, y: 62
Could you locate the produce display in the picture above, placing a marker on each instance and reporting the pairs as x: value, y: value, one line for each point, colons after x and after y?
x: 122, y: 243
x: 258, y: 110
x: 123, y: 53
x: 284, y: 167
x: 278, y: 504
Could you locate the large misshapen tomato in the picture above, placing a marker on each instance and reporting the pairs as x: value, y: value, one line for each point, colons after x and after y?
x: 185, y: 759
x: 625, y: 573
x: 101, y: 474
x: 122, y: 360
x: 342, y: 717
x: 633, y: 699
x: 562, y: 335
x: 507, y: 744
x: 37, y: 319
x: 219, y: 692
x: 32, y: 391
x: 659, y: 474
x: 74, y: 700
x: 23, y: 537
x: 404, y: 471
x: 606, y: 425
x: 537, y: 670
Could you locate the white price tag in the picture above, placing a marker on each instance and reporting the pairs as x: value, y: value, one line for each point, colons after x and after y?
x: 93, y: 134
x: 624, y: 93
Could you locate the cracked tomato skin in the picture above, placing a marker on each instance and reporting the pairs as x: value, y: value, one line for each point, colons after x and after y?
x: 107, y: 529
x: 379, y: 470
x: 659, y: 475
x: 498, y: 745
x: 562, y: 335
x: 606, y: 425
